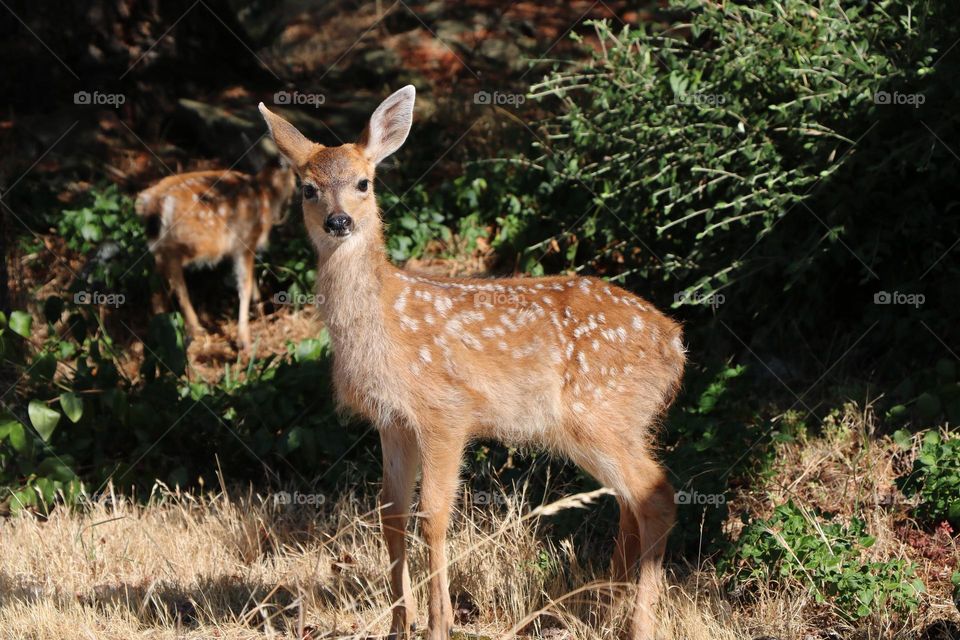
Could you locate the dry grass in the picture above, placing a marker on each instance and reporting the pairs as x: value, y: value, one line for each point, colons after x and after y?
x: 242, y: 566
x: 245, y: 567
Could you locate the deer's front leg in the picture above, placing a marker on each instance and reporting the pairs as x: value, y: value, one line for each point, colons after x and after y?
x: 400, y: 460
x: 441, y: 465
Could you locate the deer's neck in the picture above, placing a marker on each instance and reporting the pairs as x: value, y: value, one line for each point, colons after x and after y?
x: 350, y: 278
x: 353, y: 283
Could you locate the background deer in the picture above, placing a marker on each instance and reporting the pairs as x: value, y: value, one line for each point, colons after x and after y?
x: 203, y: 216
x: 575, y: 365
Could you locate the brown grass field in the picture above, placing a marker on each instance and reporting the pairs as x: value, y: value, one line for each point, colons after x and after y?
x: 240, y: 565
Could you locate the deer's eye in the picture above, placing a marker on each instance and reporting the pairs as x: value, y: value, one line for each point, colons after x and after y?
x: 363, y: 185
x: 309, y: 191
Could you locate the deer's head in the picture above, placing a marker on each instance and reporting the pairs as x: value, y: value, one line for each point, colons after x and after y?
x: 339, y: 205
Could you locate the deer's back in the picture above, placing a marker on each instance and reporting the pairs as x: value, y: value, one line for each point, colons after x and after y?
x: 204, y: 215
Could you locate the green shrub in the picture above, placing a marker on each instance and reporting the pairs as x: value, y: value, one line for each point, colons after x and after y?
x: 107, y: 230
x: 813, y: 551
x: 415, y: 218
x: 89, y: 422
x: 703, y: 145
x: 756, y: 157
x: 935, y: 478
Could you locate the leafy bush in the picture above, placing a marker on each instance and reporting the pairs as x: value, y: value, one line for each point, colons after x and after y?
x: 813, y: 551
x: 708, y: 438
x: 108, y: 230
x: 757, y: 157
x: 415, y: 218
x: 703, y: 145
x: 88, y: 421
x: 935, y: 477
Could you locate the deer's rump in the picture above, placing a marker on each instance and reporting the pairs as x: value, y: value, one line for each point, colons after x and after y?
x: 199, y: 215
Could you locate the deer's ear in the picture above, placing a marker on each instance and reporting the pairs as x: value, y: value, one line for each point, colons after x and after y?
x: 389, y: 125
x: 292, y: 144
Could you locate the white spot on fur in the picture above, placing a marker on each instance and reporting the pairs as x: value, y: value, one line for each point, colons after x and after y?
x: 582, y: 359
x: 442, y: 305
x: 401, y: 302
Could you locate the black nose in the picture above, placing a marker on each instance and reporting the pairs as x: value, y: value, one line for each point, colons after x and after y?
x: 338, y: 223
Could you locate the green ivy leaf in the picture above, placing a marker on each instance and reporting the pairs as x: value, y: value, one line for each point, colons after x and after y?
x: 902, y: 438
x: 72, y: 406
x: 309, y: 349
x: 17, y: 436
x: 43, y: 418
x: 21, y: 323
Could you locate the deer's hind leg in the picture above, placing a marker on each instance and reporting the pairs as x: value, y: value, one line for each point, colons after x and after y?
x: 243, y: 268
x: 172, y: 269
x: 647, y: 513
x: 160, y: 299
x: 653, y: 503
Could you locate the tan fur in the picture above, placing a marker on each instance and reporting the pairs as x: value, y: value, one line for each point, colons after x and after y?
x: 575, y: 365
x: 203, y: 216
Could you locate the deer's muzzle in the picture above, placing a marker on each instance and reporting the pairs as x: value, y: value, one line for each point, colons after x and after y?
x: 338, y: 224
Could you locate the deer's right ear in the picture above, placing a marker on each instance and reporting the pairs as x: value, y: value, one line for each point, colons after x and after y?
x: 389, y: 125
x: 292, y: 144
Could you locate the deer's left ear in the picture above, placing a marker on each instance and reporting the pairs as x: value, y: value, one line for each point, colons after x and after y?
x: 389, y: 125
x: 292, y: 144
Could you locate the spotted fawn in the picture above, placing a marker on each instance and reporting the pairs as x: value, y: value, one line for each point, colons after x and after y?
x: 574, y: 365
x: 203, y: 216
